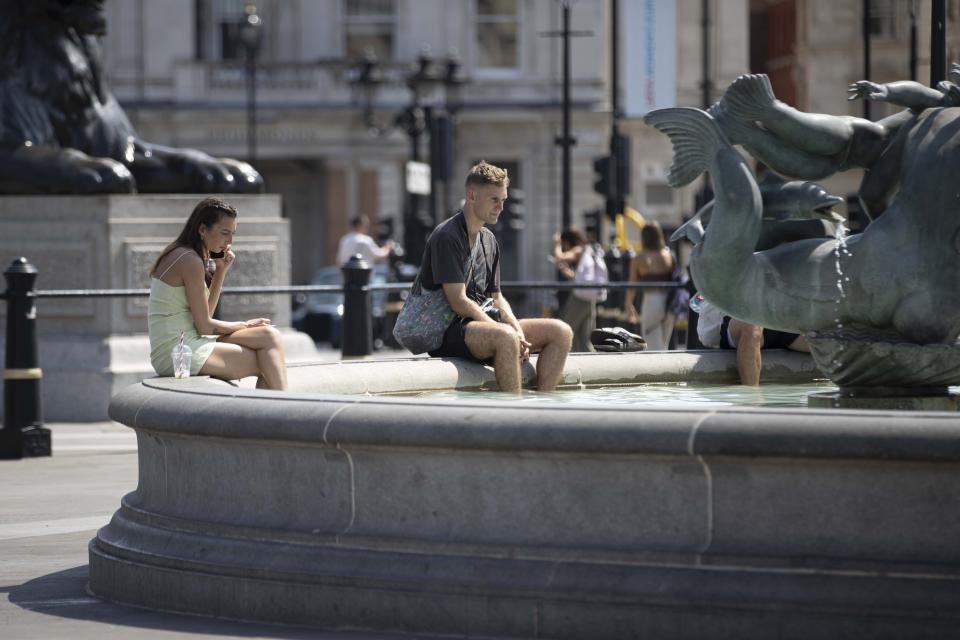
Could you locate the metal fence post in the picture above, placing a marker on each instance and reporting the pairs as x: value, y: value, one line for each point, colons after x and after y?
x: 357, y: 309
x: 23, y: 433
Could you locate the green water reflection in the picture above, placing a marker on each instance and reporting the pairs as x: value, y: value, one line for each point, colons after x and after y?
x: 658, y: 395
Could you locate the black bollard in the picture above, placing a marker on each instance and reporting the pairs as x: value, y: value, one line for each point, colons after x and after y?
x: 23, y: 434
x: 357, y: 309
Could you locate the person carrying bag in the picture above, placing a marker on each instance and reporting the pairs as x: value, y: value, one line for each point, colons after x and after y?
x: 591, y: 269
x: 426, y: 314
x: 461, y: 265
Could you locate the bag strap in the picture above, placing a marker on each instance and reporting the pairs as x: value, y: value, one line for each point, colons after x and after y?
x: 417, y: 287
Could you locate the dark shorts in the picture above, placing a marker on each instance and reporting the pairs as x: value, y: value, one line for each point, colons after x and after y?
x: 454, y: 344
x: 772, y: 339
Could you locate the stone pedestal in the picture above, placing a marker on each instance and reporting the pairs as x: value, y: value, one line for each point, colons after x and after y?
x: 91, y: 347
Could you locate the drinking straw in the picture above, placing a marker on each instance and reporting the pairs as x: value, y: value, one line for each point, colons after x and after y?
x: 179, y: 371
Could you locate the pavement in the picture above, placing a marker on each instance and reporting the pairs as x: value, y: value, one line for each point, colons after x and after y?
x: 50, y: 509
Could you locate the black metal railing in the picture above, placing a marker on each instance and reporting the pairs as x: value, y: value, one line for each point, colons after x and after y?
x: 515, y: 285
x: 23, y: 433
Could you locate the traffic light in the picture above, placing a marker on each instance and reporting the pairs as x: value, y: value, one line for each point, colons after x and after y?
x: 620, y: 146
x: 516, y: 210
x: 604, y: 176
x: 591, y: 225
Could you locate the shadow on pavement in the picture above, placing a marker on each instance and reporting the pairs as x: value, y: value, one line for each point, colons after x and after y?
x: 64, y: 595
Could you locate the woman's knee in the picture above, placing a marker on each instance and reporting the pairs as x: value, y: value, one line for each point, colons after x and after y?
x: 267, y: 337
x: 273, y: 337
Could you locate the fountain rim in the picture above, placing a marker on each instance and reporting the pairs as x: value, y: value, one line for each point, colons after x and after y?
x: 211, y: 408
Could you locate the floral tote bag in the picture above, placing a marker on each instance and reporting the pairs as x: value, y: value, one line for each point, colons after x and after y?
x: 426, y: 315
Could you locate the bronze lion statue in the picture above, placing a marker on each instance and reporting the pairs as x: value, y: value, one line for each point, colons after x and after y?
x: 61, y: 129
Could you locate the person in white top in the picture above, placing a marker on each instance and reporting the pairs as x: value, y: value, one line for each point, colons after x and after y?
x: 358, y: 241
x: 717, y: 330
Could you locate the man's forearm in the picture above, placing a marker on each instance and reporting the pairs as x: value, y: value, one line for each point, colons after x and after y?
x: 467, y: 308
x: 506, y: 313
x: 215, y: 287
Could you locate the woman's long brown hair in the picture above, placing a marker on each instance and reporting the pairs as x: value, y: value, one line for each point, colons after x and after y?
x: 651, y: 237
x: 207, y: 213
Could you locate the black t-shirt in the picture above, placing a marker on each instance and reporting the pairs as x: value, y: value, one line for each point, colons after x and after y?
x: 445, y: 259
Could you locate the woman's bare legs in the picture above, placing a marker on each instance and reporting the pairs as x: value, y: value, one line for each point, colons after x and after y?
x: 268, y: 344
x: 231, y: 362
x: 264, y: 344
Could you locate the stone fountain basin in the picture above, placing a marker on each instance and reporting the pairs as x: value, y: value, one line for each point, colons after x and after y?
x: 328, y: 507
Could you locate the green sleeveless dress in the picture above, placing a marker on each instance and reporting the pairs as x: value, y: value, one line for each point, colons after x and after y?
x: 167, y: 315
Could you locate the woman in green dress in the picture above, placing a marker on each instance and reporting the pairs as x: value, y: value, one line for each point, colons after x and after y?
x: 185, y: 284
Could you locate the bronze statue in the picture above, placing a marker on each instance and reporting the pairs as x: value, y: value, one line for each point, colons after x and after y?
x: 881, y: 311
x: 61, y: 129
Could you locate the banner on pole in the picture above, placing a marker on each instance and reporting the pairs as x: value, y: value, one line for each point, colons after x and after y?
x: 650, y: 55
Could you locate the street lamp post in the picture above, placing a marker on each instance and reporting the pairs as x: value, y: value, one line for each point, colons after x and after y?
x: 566, y: 141
x: 938, y: 42
x: 414, y: 120
x: 368, y: 77
x: 251, y: 34
x: 453, y: 81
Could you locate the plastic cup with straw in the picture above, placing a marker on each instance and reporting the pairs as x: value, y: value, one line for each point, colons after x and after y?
x: 181, y: 356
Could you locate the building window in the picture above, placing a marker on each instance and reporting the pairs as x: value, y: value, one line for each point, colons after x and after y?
x: 218, y: 29
x: 659, y: 195
x: 369, y: 25
x: 883, y: 18
x: 497, y: 30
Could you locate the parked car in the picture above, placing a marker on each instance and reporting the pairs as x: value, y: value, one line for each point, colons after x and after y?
x: 320, y: 315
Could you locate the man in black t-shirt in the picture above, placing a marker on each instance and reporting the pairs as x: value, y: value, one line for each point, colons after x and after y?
x: 463, y: 258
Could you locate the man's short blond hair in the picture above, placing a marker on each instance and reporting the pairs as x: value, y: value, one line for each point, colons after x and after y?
x: 485, y: 173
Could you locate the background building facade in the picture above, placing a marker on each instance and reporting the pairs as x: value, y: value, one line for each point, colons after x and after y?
x: 332, y: 149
